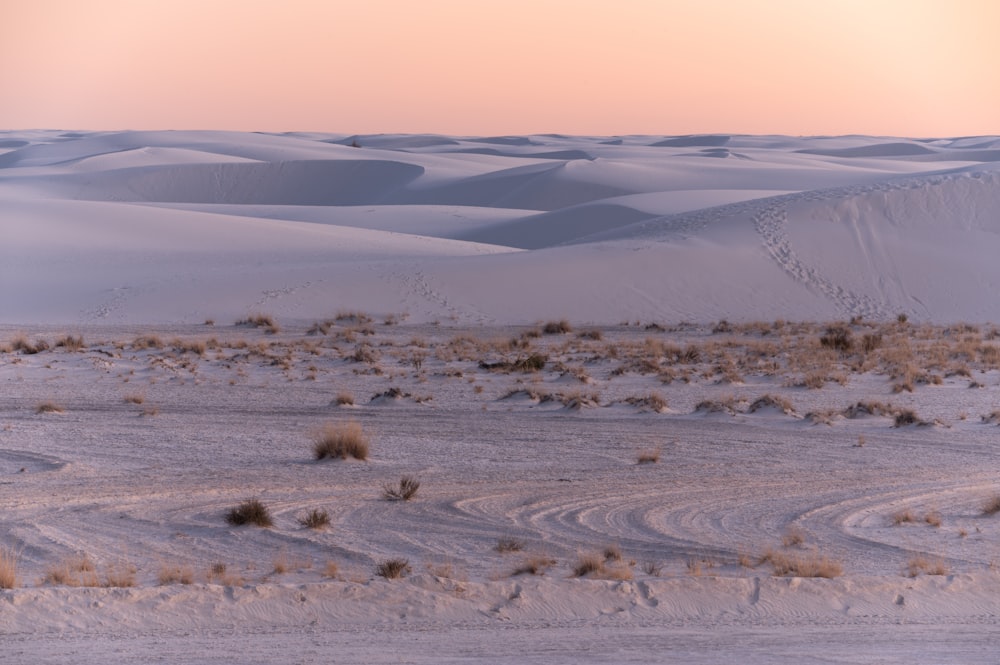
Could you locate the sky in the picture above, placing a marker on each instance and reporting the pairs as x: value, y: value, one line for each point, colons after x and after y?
x: 920, y: 68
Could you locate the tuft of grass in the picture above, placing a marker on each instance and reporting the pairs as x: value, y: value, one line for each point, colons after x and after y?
x: 992, y: 505
x: 344, y: 398
x: 315, y: 519
x: 809, y: 565
x: 392, y: 569
x: 27, y: 347
x: 933, y: 518
x: 534, y: 565
x: 652, y: 568
x: 794, y: 537
x: 49, y: 407
x: 588, y: 564
x: 259, y: 320
x: 251, y: 511
x: 406, y: 490
x: 135, y: 398
x: 173, y: 574
x: 77, y: 571
x: 922, y: 565
x: 8, y: 568
x: 331, y: 569
x: 648, y: 456
x: 560, y: 327
x: 120, y: 574
x: 70, y: 343
x: 509, y: 544
x: 340, y: 441
x: 903, y: 517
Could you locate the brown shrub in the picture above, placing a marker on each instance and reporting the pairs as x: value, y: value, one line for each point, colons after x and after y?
x: 340, y: 441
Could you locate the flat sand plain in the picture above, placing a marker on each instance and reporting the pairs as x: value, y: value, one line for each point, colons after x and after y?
x: 159, y: 432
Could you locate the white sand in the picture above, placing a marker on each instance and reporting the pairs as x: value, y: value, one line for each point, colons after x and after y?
x: 115, y: 235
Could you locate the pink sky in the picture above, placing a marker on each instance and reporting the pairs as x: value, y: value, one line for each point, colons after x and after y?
x: 896, y: 67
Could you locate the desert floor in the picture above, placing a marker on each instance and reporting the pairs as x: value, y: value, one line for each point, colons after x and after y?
x: 115, y: 502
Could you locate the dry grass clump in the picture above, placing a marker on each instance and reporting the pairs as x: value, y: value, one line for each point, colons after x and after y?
x: 992, y: 505
x: 135, y: 398
x: 654, y: 401
x: 607, y: 565
x: 392, y: 569
x: 560, y: 327
x: 341, y: 441
x: 315, y: 519
x: 218, y: 573
x: 903, y: 517
x: 78, y: 570
x: 509, y: 544
x: 8, y: 568
x: 652, y: 568
x: 174, y: 574
x: 27, y: 347
x: 259, y: 320
x: 404, y: 491
x: 793, y: 537
x: 534, y: 565
x: 251, y: 511
x: 119, y: 574
x: 70, y: 343
x: 651, y: 456
x: 922, y: 565
x: 804, y: 565
x: 772, y: 401
x: 344, y: 398
x: 524, y: 364
x: 933, y: 518
x: 49, y: 407
x: 147, y: 342
x: 838, y: 338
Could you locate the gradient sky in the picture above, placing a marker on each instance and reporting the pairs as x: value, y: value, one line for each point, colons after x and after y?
x: 478, y: 67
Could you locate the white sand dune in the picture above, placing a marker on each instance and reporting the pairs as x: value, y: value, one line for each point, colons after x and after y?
x: 776, y: 227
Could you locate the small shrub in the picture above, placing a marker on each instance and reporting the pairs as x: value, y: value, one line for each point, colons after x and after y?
x: 648, y: 456
x: 120, y: 574
x: 922, y: 565
x: 340, y: 441
x: 794, y: 537
x: 536, y: 565
x: 251, y: 511
x: 588, y: 564
x: 837, y: 338
x: 331, y: 569
x: 8, y: 568
x: 70, y: 343
x: 77, y: 571
x: 135, y: 398
x: 175, y: 575
x: 509, y: 544
x: 406, y: 490
x: 28, y: 348
x: 315, y: 519
x: 560, y: 327
x: 652, y: 568
x: 933, y: 518
x: 49, y: 407
x: 992, y: 505
x: 392, y: 569
x: 903, y: 517
x: 260, y: 321
x: 344, y: 398
x: 811, y: 565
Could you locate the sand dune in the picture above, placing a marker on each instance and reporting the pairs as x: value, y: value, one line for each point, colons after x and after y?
x: 634, y: 224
